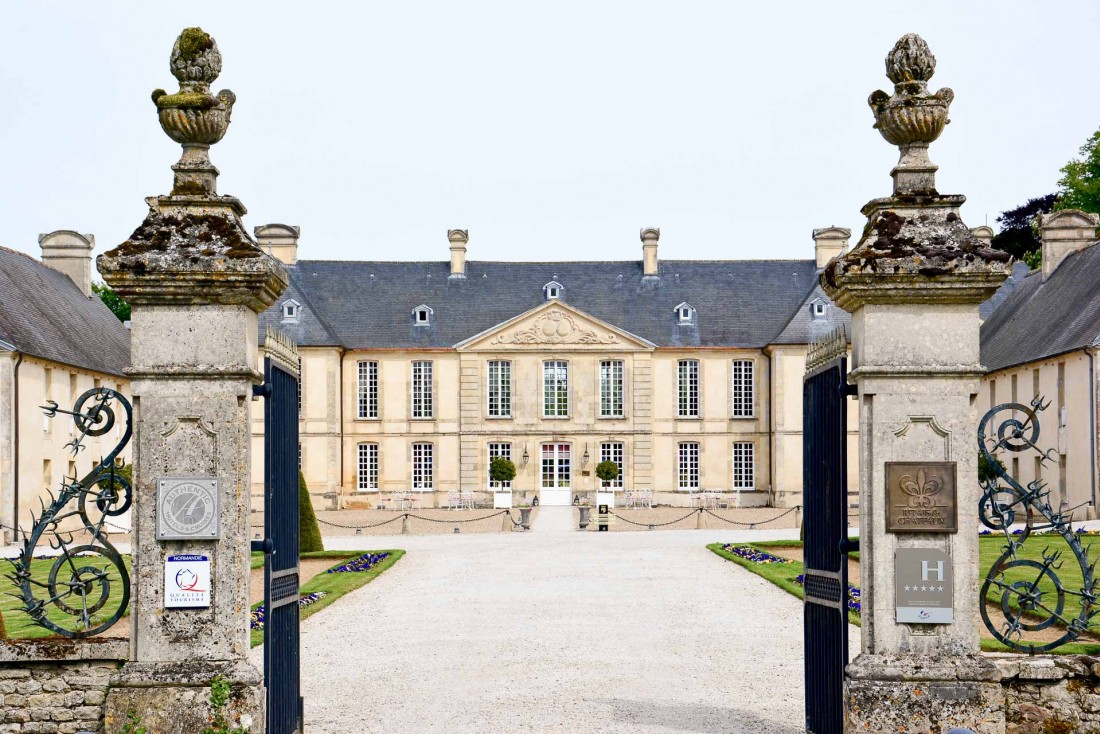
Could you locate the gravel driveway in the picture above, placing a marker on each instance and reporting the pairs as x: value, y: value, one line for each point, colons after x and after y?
x: 559, y: 631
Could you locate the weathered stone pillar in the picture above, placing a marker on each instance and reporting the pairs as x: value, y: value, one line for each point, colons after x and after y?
x: 196, y: 283
x: 913, y: 285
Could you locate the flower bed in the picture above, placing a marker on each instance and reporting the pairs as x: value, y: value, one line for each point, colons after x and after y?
x: 360, y: 564
x: 855, y: 599
x: 754, y: 555
x: 259, y: 616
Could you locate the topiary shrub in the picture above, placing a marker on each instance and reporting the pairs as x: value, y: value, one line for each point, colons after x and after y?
x: 607, y: 471
x: 501, y: 469
x: 986, y: 470
x: 309, y: 533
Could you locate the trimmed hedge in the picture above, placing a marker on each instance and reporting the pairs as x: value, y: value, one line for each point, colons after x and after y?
x: 309, y: 538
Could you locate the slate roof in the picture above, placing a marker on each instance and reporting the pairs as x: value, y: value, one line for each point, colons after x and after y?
x: 44, y: 314
x: 368, y: 305
x: 805, y: 328
x: 1039, y: 319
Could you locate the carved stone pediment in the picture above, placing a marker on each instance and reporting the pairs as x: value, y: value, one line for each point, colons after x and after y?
x: 555, y: 325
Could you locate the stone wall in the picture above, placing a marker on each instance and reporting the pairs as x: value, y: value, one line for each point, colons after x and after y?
x: 1051, y: 695
x: 55, y: 687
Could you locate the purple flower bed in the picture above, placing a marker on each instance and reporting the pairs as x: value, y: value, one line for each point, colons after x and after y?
x: 753, y: 555
x: 364, y: 562
x: 855, y: 598
x: 258, y: 614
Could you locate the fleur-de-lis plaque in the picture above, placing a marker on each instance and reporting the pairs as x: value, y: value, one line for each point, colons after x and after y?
x: 921, y: 497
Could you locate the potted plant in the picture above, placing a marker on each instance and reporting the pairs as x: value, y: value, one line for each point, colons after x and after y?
x: 606, y: 472
x: 501, y: 470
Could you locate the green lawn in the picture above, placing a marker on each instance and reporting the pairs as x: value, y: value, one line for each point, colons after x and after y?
x: 19, y: 624
x: 336, y: 584
x: 990, y: 548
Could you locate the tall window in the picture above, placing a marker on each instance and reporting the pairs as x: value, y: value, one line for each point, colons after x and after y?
x: 688, y: 388
x: 423, y: 475
x: 612, y: 451
x: 368, y: 389
x: 500, y: 389
x: 504, y: 451
x: 744, y: 475
x: 368, y: 467
x: 689, y: 466
x: 556, y: 466
x: 742, y: 388
x: 422, y: 390
x: 555, y: 389
x: 611, y: 388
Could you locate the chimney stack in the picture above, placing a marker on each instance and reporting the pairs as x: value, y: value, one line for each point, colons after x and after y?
x: 279, y: 240
x: 458, y: 239
x: 1064, y: 232
x: 71, y: 253
x: 650, y: 236
x: 829, y: 242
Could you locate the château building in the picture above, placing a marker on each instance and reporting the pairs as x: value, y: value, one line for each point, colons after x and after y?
x: 686, y: 374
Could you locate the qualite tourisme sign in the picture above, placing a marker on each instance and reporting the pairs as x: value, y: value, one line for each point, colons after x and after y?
x: 922, y: 585
x: 186, y: 581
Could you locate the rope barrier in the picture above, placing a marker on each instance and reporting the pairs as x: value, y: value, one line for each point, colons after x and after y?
x: 656, y: 525
x: 361, y: 526
x: 455, y: 522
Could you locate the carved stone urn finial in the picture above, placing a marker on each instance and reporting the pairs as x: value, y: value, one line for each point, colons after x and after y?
x: 193, y: 116
x: 911, y: 118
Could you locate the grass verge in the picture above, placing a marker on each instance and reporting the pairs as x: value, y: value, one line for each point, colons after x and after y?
x: 335, y: 584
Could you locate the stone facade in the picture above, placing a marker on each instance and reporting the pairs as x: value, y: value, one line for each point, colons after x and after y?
x: 1051, y: 695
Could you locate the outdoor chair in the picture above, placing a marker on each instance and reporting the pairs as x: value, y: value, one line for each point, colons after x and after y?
x: 400, y: 501
x: 454, y: 500
x: 466, y: 499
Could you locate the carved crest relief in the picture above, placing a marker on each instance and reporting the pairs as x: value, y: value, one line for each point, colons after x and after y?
x: 555, y: 327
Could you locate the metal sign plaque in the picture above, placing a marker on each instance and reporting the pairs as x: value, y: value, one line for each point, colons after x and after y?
x: 922, y: 586
x: 187, y: 508
x: 921, y: 497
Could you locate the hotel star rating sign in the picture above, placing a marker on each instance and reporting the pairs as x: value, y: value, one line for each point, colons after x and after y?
x: 922, y: 583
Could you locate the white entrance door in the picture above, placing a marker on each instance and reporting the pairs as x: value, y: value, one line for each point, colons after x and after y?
x: 557, y: 484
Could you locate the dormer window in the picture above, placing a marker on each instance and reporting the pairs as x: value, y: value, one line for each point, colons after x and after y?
x: 422, y: 315
x: 291, y: 310
x: 817, y: 309
x: 552, y: 290
x: 685, y: 313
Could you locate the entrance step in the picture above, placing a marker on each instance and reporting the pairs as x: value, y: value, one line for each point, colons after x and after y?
x: 554, y: 520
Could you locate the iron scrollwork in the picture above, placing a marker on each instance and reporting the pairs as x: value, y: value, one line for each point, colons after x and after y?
x: 1032, y: 597
x: 74, y: 597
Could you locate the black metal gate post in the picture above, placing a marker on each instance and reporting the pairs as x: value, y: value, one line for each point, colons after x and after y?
x: 825, y: 491
x: 282, y: 672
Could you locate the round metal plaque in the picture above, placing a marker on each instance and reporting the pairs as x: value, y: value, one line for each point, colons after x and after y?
x: 187, y: 508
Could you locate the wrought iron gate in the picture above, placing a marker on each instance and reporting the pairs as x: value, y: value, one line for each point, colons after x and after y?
x: 825, y: 491
x: 282, y: 675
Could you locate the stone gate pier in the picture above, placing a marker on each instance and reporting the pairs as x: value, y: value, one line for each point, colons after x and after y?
x: 196, y: 282
x: 913, y: 285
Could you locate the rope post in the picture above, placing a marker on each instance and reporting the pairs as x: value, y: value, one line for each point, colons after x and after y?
x: 405, y: 524
x: 699, y: 524
x: 798, y: 516
x: 506, y: 526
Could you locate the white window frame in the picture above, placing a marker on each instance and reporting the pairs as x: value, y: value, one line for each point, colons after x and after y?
x: 291, y: 310
x: 367, y: 390
x: 612, y: 451
x: 554, y: 373
x: 685, y: 313
x: 366, y: 477
x: 817, y: 310
x: 502, y: 449
x: 687, y: 388
x: 559, y: 461
x: 687, y: 465
x: 612, y: 399
x: 421, y: 393
x: 744, y: 466
x: 552, y: 290
x: 423, y: 467
x: 743, y: 388
x: 498, y: 373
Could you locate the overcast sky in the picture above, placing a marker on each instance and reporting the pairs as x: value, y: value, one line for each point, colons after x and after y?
x: 551, y: 131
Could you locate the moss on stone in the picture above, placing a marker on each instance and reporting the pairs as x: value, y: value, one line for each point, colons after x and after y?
x: 185, y: 101
x: 219, y: 236
x: 194, y: 42
x: 189, y: 188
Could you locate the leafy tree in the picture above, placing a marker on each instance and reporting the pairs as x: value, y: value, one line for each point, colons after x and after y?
x: 1079, y: 187
x: 608, y: 471
x: 1019, y: 235
x: 987, y: 471
x: 501, y: 470
x: 118, y: 307
x: 309, y: 533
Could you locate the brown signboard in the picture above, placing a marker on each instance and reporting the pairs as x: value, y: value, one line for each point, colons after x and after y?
x: 922, y: 586
x: 921, y: 497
